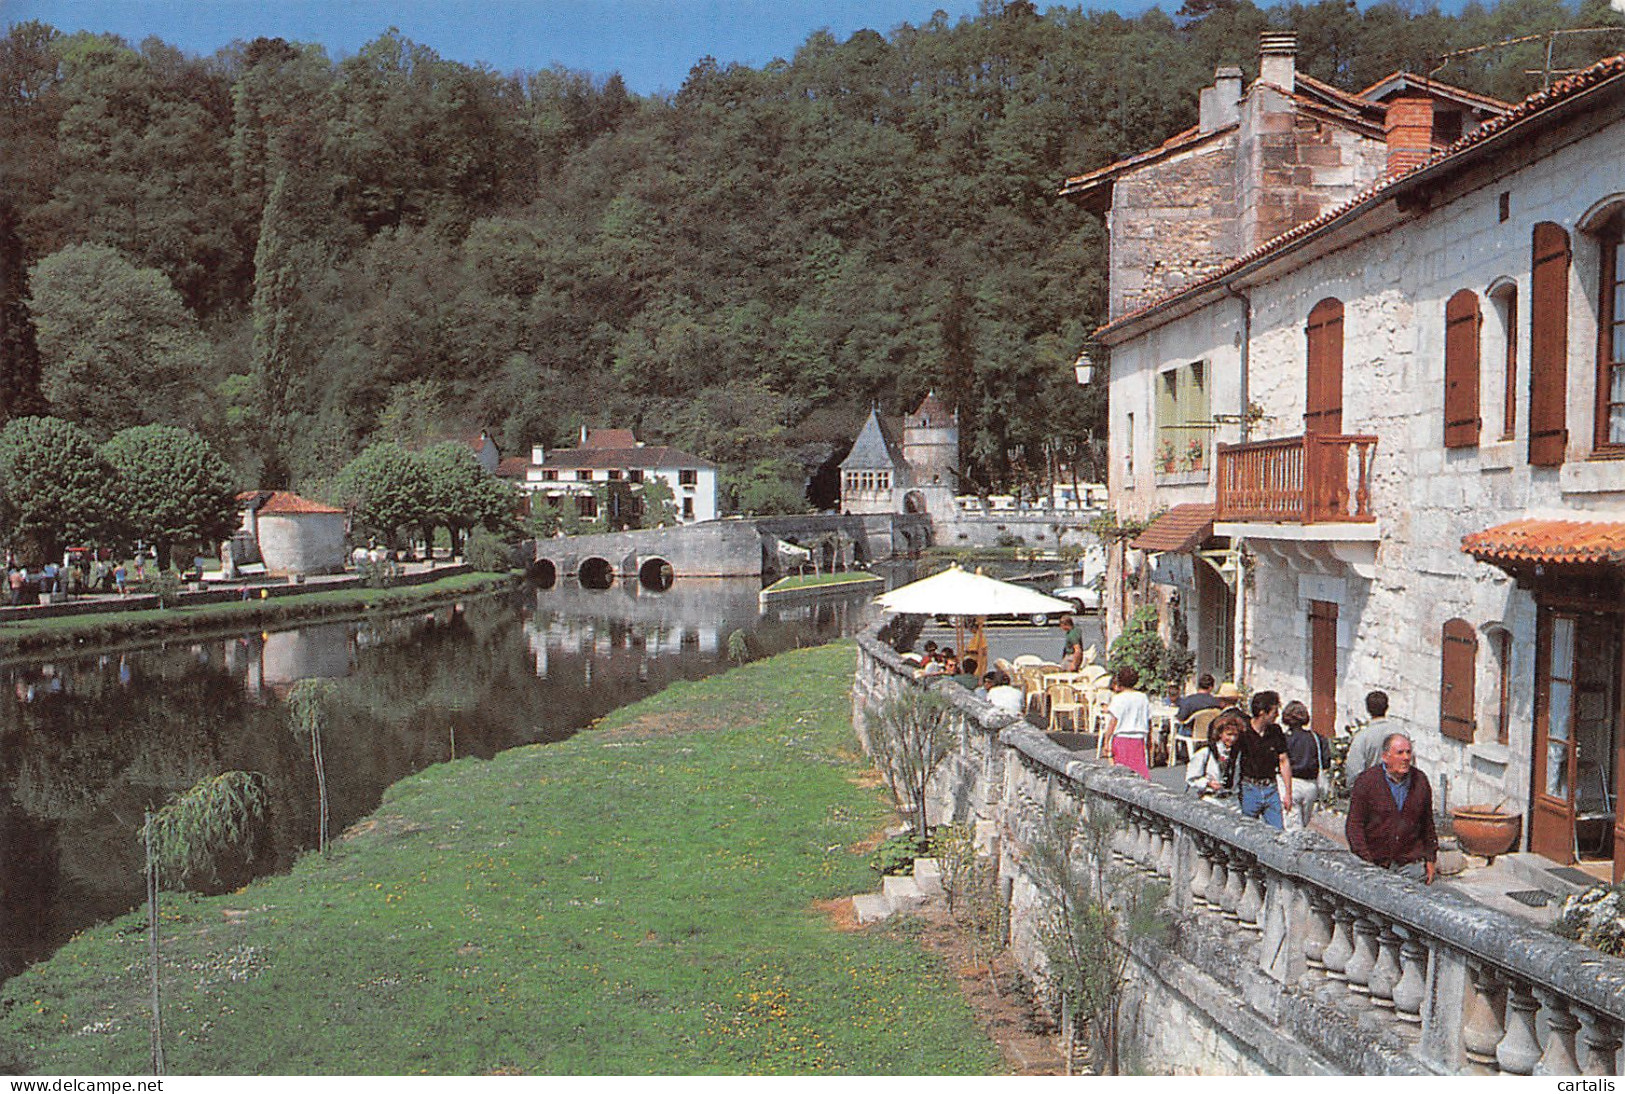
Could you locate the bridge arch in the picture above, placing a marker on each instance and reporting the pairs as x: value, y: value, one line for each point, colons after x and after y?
x: 543, y: 573
x: 656, y: 574
x: 595, y: 573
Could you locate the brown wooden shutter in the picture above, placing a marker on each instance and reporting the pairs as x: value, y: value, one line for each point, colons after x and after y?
x: 1324, y: 405
x: 1456, y: 679
x: 1323, y: 667
x: 1461, y: 326
x: 1548, y: 345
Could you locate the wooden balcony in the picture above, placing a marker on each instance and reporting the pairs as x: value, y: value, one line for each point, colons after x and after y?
x: 1318, y: 478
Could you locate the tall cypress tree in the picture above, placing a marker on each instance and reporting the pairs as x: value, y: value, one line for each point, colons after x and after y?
x: 19, y: 352
x: 281, y: 346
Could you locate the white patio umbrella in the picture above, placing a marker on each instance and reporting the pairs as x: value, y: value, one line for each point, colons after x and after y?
x: 956, y: 592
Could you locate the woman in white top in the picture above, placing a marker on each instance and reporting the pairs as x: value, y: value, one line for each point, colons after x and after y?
x: 1211, y: 770
x: 1128, y: 722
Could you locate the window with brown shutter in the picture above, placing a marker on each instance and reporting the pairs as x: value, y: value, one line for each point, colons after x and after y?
x: 1461, y: 326
x: 1456, y: 699
x: 1323, y: 411
x: 1548, y: 345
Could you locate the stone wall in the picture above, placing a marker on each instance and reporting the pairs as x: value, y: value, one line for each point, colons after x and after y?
x: 1281, y: 954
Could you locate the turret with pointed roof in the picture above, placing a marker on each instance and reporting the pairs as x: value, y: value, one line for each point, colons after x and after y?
x: 872, y: 471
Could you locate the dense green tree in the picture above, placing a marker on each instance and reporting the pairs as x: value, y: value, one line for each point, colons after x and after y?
x: 119, y: 346
x: 55, y: 488
x: 462, y: 494
x: 386, y: 489
x: 20, y: 366
x: 170, y: 487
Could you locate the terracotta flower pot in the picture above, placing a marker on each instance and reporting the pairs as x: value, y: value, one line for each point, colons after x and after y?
x: 1484, y: 831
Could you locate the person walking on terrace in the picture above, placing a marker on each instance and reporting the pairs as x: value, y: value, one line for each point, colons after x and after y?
x: 1128, y: 722
x: 1261, y: 753
x: 1071, y: 643
x: 1391, y: 815
x: 1307, y: 752
x: 1366, y: 747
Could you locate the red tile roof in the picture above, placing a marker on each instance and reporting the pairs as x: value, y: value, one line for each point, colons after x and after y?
x: 609, y: 438
x: 512, y: 467
x: 1189, y: 138
x: 1560, y: 92
x: 1182, y: 528
x: 1551, y: 542
x: 281, y: 502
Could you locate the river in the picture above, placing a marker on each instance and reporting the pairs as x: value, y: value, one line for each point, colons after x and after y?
x: 88, y: 743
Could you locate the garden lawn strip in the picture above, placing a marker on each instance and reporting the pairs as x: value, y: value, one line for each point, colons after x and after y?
x: 637, y: 901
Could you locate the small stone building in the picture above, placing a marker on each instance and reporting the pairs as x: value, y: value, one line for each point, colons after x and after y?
x: 291, y: 534
x: 923, y: 478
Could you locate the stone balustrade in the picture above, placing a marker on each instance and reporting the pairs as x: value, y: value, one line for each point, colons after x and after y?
x: 1287, y: 954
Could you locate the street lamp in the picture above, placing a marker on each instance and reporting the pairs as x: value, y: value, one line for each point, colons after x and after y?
x: 1084, y: 368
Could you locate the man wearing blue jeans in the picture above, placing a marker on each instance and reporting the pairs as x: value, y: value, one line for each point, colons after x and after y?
x: 1261, y: 753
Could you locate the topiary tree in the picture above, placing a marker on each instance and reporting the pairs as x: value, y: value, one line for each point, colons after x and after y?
x: 171, y: 487
x: 386, y: 488
x: 55, y: 486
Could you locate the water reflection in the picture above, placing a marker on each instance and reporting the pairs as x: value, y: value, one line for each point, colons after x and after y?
x: 87, y: 744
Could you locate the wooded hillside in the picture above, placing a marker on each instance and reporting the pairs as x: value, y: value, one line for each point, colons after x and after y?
x: 298, y: 256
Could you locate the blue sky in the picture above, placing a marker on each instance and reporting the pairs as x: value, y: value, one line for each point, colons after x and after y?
x: 652, y: 43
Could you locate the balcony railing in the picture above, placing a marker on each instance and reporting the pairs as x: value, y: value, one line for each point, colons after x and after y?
x: 1317, y: 478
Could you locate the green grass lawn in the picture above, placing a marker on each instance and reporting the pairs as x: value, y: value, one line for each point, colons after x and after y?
x: 807, y: 581
x: 641, y: 898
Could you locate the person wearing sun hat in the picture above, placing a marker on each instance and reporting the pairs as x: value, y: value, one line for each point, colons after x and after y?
x: 1228, y: 694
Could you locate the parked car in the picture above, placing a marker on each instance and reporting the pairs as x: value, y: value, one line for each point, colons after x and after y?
x: 1084, y: 598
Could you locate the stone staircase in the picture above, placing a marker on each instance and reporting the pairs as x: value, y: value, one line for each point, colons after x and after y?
x: 900, y: 892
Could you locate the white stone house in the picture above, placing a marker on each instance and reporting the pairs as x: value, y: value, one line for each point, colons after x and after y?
x: 291, y: 534
x: 1418, y: 399
x: 1260, y: 162
x: 568, y: 475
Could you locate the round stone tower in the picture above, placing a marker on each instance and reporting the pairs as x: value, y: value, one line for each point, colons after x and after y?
x: 931, y: 451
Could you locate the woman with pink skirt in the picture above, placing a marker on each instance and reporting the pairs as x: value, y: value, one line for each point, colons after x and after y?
x: 1128, y: 722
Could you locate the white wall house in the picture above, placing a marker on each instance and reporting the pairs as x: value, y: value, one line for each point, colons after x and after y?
x: 1428, y: 496
x: 617, y: 456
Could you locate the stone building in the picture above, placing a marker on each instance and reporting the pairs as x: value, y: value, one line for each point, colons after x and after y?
x: 290, y: 534
x: 568, y: 475
x: 1419, y: 485
x: 1259, y: 163
x: 922, y: 478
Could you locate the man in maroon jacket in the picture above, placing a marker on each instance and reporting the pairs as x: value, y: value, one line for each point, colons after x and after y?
x: 1391, y: 814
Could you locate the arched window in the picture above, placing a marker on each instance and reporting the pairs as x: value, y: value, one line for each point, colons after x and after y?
x: 1610, y: 428
x: 1459, y: 663
x: 1548, y: 344
x: 1461, y: 326
x: 1504, y: 299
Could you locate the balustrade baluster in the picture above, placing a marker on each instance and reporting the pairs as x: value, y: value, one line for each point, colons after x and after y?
x: 1338, y: 951
x: 1165, y: 862
x: 1481, y: 1027
x: 1561, y: 1026
x: 1235, y: 884
x: 1519, y: 1052
x: 1601, y: 1040
x: 1412, y: 987
x: 1386, y: 972
x: 1122, y: 837
x: 1320, y: 929
x: 1201, y: 873
x: 1252, y: 898
x: 1138, y: 838
x: 1364, y: 958
x: 1219, y: 882
x: 1153, y: 844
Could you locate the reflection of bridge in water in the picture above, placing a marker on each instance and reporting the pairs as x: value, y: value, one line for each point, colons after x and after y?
x: 725, y: 548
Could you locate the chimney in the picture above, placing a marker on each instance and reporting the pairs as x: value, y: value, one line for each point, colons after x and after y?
x: 1278, y: 58
x: 538, y: 454
x: 1220, y: 105
x: 1409, y: 130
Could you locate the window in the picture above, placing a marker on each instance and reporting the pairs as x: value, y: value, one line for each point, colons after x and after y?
x: 1610, y: 431
x: 1183, y: 420
x: 614, y: 476
x: 635, y: 475
x: 1461, y: 322
x: 1548, y: 344
x: 1502, y: 640
x: 1323, y: 405
x: 550, y: 474
x: 1129, y: 440
x: 688, y: 477
x: 883, y: 480
x: 584, y: 475
x: 587, y: 505
x: 688, y: 508
x: 1505, y: 300
x: 1456, y: 679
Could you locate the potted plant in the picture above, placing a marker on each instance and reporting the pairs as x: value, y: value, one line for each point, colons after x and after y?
x: 1195, y: 449
x: 1166, y: 457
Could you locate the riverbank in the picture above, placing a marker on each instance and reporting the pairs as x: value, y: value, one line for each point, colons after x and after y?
x: 646, y: 897
x: 26, y: 636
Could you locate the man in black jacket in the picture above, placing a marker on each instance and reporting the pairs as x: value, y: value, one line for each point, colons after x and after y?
x: 1391, y: 815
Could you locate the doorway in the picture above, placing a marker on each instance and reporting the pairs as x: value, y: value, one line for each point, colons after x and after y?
x: 1577, y: 739
x: 1323, y: 667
